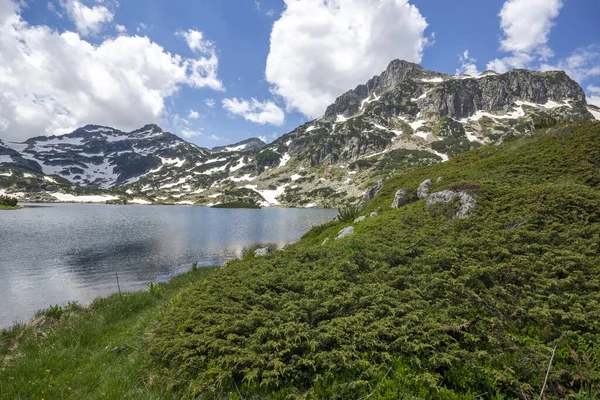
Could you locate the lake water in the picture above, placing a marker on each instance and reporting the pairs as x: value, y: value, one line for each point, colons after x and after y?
x: 55, y: 253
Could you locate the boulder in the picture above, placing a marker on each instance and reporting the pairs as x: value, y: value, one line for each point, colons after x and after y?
x: 262, y: 252
x: 467, y: 201
x: 402, y: 198
x: 374, y: 214
x: 344, y: 233
x: 360, y: 219
x: 423, y: 190
x: 371, y: 193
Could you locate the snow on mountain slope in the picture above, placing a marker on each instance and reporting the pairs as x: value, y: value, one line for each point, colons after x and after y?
x: 402, y: 119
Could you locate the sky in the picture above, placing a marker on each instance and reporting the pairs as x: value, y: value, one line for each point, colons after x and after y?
x: 219, y: 71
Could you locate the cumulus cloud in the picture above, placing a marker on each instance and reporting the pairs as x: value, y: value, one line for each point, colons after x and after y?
x: 593, y: 95
x: 204, y: 69
x: 88, y: 20
x: 526, y: 25
x: 255, y: 111
x: 193, y: 115
x: 210, y: 103
x: 322, y: 48
x: 468, y: 64
x: 582, y: 64
x: 53, y: 82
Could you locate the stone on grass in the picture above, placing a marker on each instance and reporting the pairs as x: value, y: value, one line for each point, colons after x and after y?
x: 374, y: 214
x: 467, y: 201
x: 262, y: 252
x: 360, y: 219
x: 423, y: 190
x: 344, y: 233
x: 402, y: 198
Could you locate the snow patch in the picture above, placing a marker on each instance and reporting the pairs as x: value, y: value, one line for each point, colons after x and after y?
x: 245, y: 178
x: 185, y: 203
x: 596, y: 114
x: 140, y: 201
x: 295, y: 177
x: 433, y: 80
x: 239, y: 165
x: 284, y: 160
x: 69, y: 198
x: 50, y: 179
x: 309, y: 129
x: 341, y: 118
x: 442, y: 155
x: 6, y: 159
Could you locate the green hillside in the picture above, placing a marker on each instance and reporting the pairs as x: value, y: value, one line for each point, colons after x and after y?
x: 415, y: 304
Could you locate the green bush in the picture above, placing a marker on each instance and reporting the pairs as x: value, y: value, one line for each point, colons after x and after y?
x: 348, y: 214
x: 8, y: 201
x: 414, y: 305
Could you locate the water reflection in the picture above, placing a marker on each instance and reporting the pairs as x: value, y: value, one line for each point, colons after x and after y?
x: 62, y: 252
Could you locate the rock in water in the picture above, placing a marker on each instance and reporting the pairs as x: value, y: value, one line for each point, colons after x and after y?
x: 371, y: 193
x: 423, y: 190
x: 467, y: 201
x: 349, y: 231
x: 401, y: 198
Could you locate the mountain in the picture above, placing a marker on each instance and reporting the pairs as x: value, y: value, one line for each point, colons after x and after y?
x: 405, y: 118
x: 244, y: 145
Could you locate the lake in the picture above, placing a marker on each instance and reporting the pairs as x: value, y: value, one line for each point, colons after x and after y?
x: 56, y: 253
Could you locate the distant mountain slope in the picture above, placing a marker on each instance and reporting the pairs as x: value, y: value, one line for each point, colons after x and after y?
x: 405, y: 118
x: 244, y: 145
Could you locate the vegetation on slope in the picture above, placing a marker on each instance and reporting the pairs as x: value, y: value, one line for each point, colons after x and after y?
x: 88, y: 353
x: 8, y: 203
x: 414, y: 304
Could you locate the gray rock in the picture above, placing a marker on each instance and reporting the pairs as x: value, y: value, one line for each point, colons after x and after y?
x: 374, y: 214
x: 360, y: 219
x: 401, y: 198
x: 344, y: 233
x: 423, y: 190
x: 371, y: 193
x: 439, y: 179
x: 262, y: 252
x: 467, y: 201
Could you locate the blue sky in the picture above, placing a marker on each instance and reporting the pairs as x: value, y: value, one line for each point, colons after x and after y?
x: 216, y: 71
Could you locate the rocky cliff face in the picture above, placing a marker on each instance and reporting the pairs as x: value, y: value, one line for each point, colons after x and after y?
x: 402, y: 119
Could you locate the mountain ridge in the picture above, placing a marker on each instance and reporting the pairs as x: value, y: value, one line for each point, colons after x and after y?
x: 404, y: 118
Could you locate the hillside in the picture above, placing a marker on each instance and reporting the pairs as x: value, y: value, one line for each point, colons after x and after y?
x: 405, y: 118
x: 463, y: 299
x: 417, y: 302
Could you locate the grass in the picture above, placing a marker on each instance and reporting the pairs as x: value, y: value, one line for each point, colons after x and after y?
x: 88, y: 353
x: 3, y: 207
x: 415, y: 304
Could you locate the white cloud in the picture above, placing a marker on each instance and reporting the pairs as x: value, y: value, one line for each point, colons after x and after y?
x: 193, y: 115
x: 53, y: 82
x: 322, y: 48
x: 210, y: 103
x: 142, y: 27
x: 121, y: 28
x: 215, y: 137
x: 468, y: 64
x: 263, y: 138
x: 582, y: 64
x: 526, y: 25
x: 190, y: 133
x: 88, y: 20
x: 255, y: 111
x: 594, y: 95
x: 203, y: 69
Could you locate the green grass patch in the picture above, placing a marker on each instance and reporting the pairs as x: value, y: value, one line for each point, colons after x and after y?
x: 415, y: 304
x: 96, y: 352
